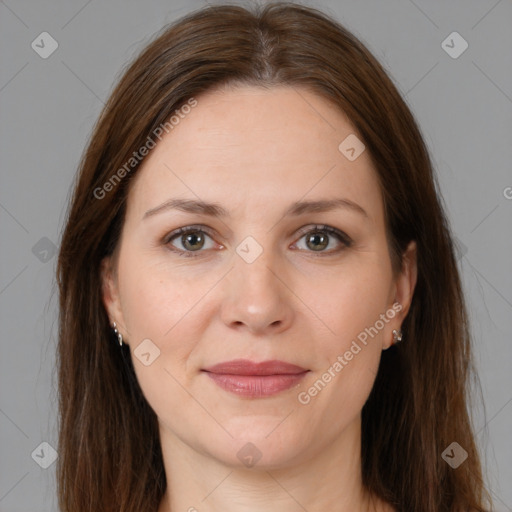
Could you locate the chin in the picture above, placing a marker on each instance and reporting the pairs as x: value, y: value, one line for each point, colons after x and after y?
x: 263, y: 443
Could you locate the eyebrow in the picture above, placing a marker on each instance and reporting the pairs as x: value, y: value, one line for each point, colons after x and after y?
x: 215, y: 210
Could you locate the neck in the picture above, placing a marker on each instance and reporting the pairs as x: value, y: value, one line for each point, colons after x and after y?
x: 331, y: 480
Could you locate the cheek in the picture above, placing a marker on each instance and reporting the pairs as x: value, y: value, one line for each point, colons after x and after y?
x: 153, y: 299
x: 167, y: 307
x: 348, y: 355
x: 160, y: 308
x: 145, y: 303
x: 351, y: 300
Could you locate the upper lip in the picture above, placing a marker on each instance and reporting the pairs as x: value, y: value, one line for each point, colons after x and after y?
x: 247, y: 367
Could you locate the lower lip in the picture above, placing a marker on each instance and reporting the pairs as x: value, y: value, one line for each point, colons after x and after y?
x: 256, y: 386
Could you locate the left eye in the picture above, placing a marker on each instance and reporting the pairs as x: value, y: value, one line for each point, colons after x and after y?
x: 318, y: 238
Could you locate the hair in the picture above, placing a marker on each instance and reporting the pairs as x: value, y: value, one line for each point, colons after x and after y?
x: 110, y: 456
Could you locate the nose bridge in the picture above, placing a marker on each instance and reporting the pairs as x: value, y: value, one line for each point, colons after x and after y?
x: 255, y: 295
x: 254, y: 269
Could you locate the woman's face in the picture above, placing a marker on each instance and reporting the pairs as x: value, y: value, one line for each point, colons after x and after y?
x: 267, y: 272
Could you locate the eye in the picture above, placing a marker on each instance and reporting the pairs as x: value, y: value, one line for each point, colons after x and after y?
x: 191, y: 238
x: 319, y: 237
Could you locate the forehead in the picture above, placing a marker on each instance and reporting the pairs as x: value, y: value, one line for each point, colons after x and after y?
x: 247, y: 144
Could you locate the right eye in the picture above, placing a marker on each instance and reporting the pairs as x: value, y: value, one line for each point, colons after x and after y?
x: 191, y: 238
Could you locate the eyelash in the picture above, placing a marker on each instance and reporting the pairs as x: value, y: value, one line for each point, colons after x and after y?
x: 342, y: 237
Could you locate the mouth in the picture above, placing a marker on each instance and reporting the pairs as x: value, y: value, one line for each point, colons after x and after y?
x: 255, y: 380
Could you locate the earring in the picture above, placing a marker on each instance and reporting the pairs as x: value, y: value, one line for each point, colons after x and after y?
x: 118, y: 334
x: 397, y: 336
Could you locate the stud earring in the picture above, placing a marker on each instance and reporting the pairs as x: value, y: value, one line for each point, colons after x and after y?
x: 118, y: 334
x: 397, y: 336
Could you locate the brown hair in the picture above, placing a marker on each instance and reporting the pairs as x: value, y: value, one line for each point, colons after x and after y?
x: 109, y: 448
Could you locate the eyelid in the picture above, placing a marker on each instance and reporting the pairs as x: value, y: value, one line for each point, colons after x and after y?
x: 329, y: 229
x: 185, y: 229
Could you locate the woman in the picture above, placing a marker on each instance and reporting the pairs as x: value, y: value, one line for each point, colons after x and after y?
x: 260, y: 305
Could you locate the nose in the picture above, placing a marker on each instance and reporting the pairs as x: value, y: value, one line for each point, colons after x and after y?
x: 257, y: 297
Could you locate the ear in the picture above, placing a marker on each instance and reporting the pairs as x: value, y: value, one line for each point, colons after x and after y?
x: 110, y: 294
x: 403, y: 289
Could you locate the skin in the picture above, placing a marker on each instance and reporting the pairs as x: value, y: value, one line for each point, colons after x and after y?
x: 256, y: 151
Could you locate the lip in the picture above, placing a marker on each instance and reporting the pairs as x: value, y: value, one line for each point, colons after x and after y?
x: 255, y: 380
x: 250, y: 368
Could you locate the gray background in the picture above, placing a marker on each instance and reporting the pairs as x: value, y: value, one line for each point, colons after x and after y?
x: 48, y: 106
